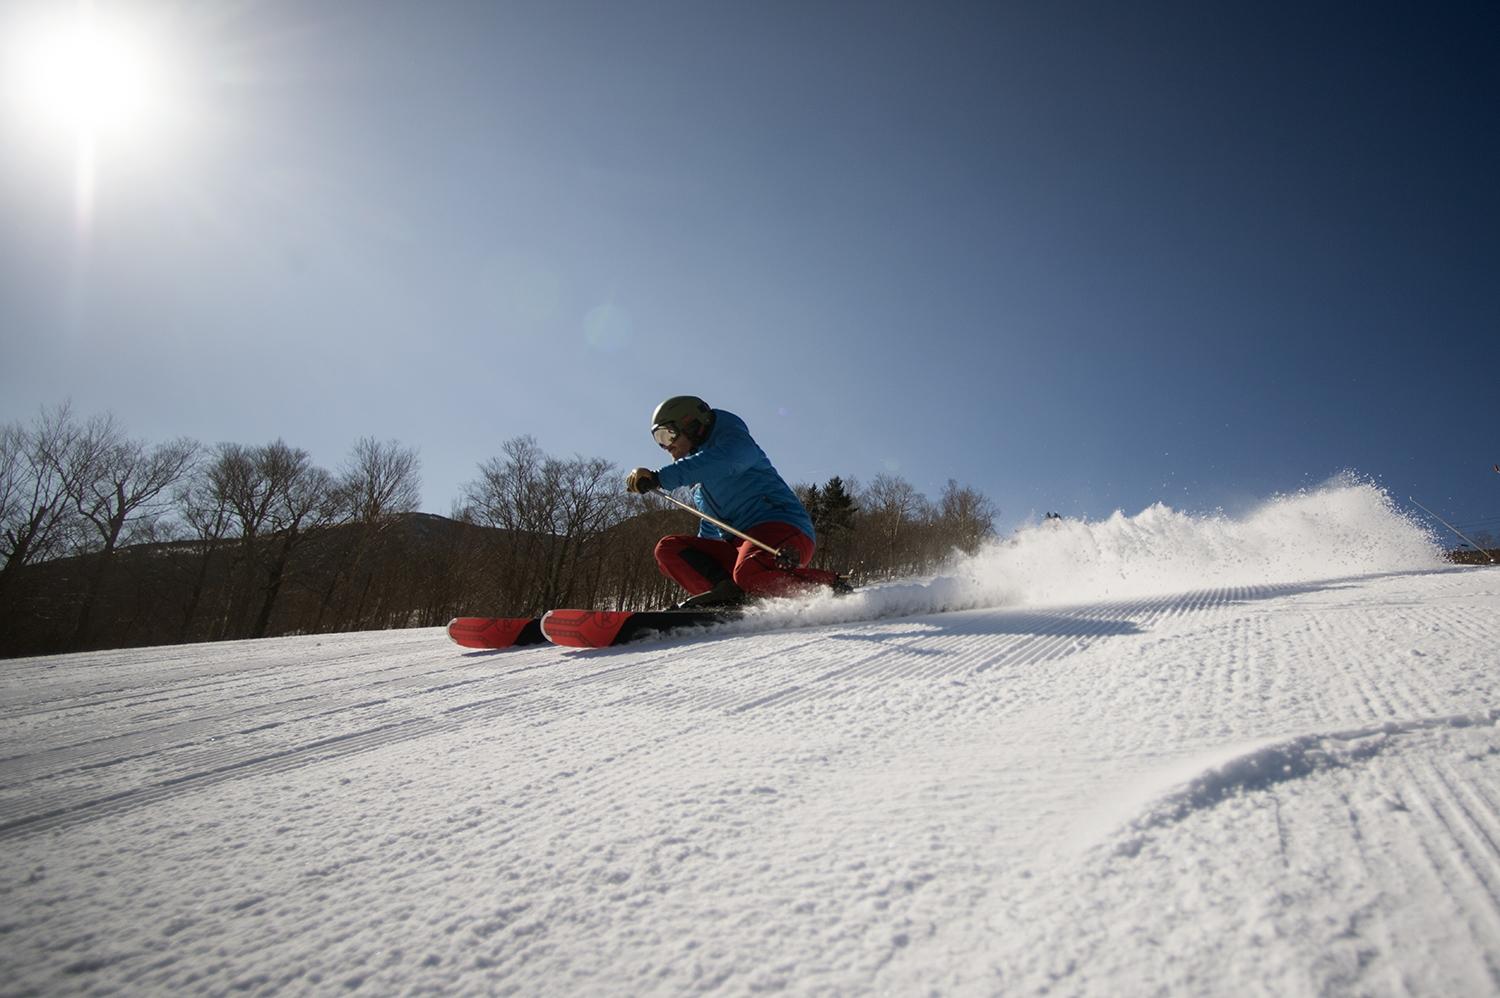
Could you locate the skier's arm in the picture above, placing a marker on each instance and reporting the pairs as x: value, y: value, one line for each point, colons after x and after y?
x: 730, y: 453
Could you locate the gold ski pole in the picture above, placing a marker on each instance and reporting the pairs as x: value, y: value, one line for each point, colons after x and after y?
x: 782, y: 558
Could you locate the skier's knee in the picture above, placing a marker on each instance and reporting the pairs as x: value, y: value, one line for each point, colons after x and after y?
x: 754, y: 576
x: 670, y: 546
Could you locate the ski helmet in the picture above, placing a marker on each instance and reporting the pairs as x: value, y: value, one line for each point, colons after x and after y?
x: 687, y: 414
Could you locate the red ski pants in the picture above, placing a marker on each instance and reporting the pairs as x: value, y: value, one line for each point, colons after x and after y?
x: 698, y: 563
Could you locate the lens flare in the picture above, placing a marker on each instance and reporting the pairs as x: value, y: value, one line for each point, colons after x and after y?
x: 608, y: 328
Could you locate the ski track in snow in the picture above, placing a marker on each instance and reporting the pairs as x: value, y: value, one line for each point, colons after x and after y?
x: 1236, y: 789
x: 242, y: 718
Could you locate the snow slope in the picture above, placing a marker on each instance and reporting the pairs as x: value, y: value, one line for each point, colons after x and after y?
x: 1158, y: 753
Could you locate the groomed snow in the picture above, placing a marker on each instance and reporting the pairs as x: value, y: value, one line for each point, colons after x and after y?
x: 1159, y: 753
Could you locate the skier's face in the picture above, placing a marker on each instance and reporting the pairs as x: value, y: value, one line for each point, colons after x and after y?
x: 680, y: 447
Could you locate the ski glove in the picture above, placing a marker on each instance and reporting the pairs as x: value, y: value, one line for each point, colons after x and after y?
x: 642, y: 480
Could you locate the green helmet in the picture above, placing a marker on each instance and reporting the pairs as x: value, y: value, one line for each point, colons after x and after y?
x: 683, y: 414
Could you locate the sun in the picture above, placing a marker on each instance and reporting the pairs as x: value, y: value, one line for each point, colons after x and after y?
x: 83, y: 75
x: 84, y: 82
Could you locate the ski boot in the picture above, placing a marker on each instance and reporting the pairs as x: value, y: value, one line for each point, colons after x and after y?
x: 725, y: 594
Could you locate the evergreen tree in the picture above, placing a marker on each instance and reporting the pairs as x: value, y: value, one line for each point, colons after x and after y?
x: 837, y: 507
x: 833, y: 519
x: 812, y: 501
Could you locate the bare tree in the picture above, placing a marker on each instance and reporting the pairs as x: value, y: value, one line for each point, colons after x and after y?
x: 966, y: 518
x: 204, y: 505
x: 238, y: 475
x: 376, y: 485
x: 893, y: 514
x: 274, y: 494
x: 554, y: 515
x: 301, y: 498
x: 37, y: 469
x: 117, y: 485
x: 512, y: 494
x: 590, y: 502
x: 381, y: 480
x: 631, y: 578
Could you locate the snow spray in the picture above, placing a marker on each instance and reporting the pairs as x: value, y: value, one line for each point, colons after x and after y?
x: 1343, y: 529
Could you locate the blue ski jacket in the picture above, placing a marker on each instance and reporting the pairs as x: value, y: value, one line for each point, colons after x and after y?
x: 734, y: 481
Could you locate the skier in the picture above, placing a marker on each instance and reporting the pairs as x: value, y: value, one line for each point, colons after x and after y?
x: 733, y: 481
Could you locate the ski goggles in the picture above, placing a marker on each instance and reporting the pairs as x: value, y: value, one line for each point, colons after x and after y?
x: 664, y: 434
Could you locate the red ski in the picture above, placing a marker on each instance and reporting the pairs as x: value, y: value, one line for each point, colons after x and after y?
x: 496, y: 632
x: 603, y: 628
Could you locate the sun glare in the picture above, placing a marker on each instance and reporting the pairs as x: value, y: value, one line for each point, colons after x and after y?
x: 85, y: 80
x: 85, y: 75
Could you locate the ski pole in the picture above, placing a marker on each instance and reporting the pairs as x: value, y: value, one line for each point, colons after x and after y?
x: 1451, y: 527
x: 783, y: 558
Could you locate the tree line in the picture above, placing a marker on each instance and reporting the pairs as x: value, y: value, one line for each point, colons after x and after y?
x: 111, y: 541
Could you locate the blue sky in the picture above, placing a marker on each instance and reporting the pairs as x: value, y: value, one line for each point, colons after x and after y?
x: 1079, y: 256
